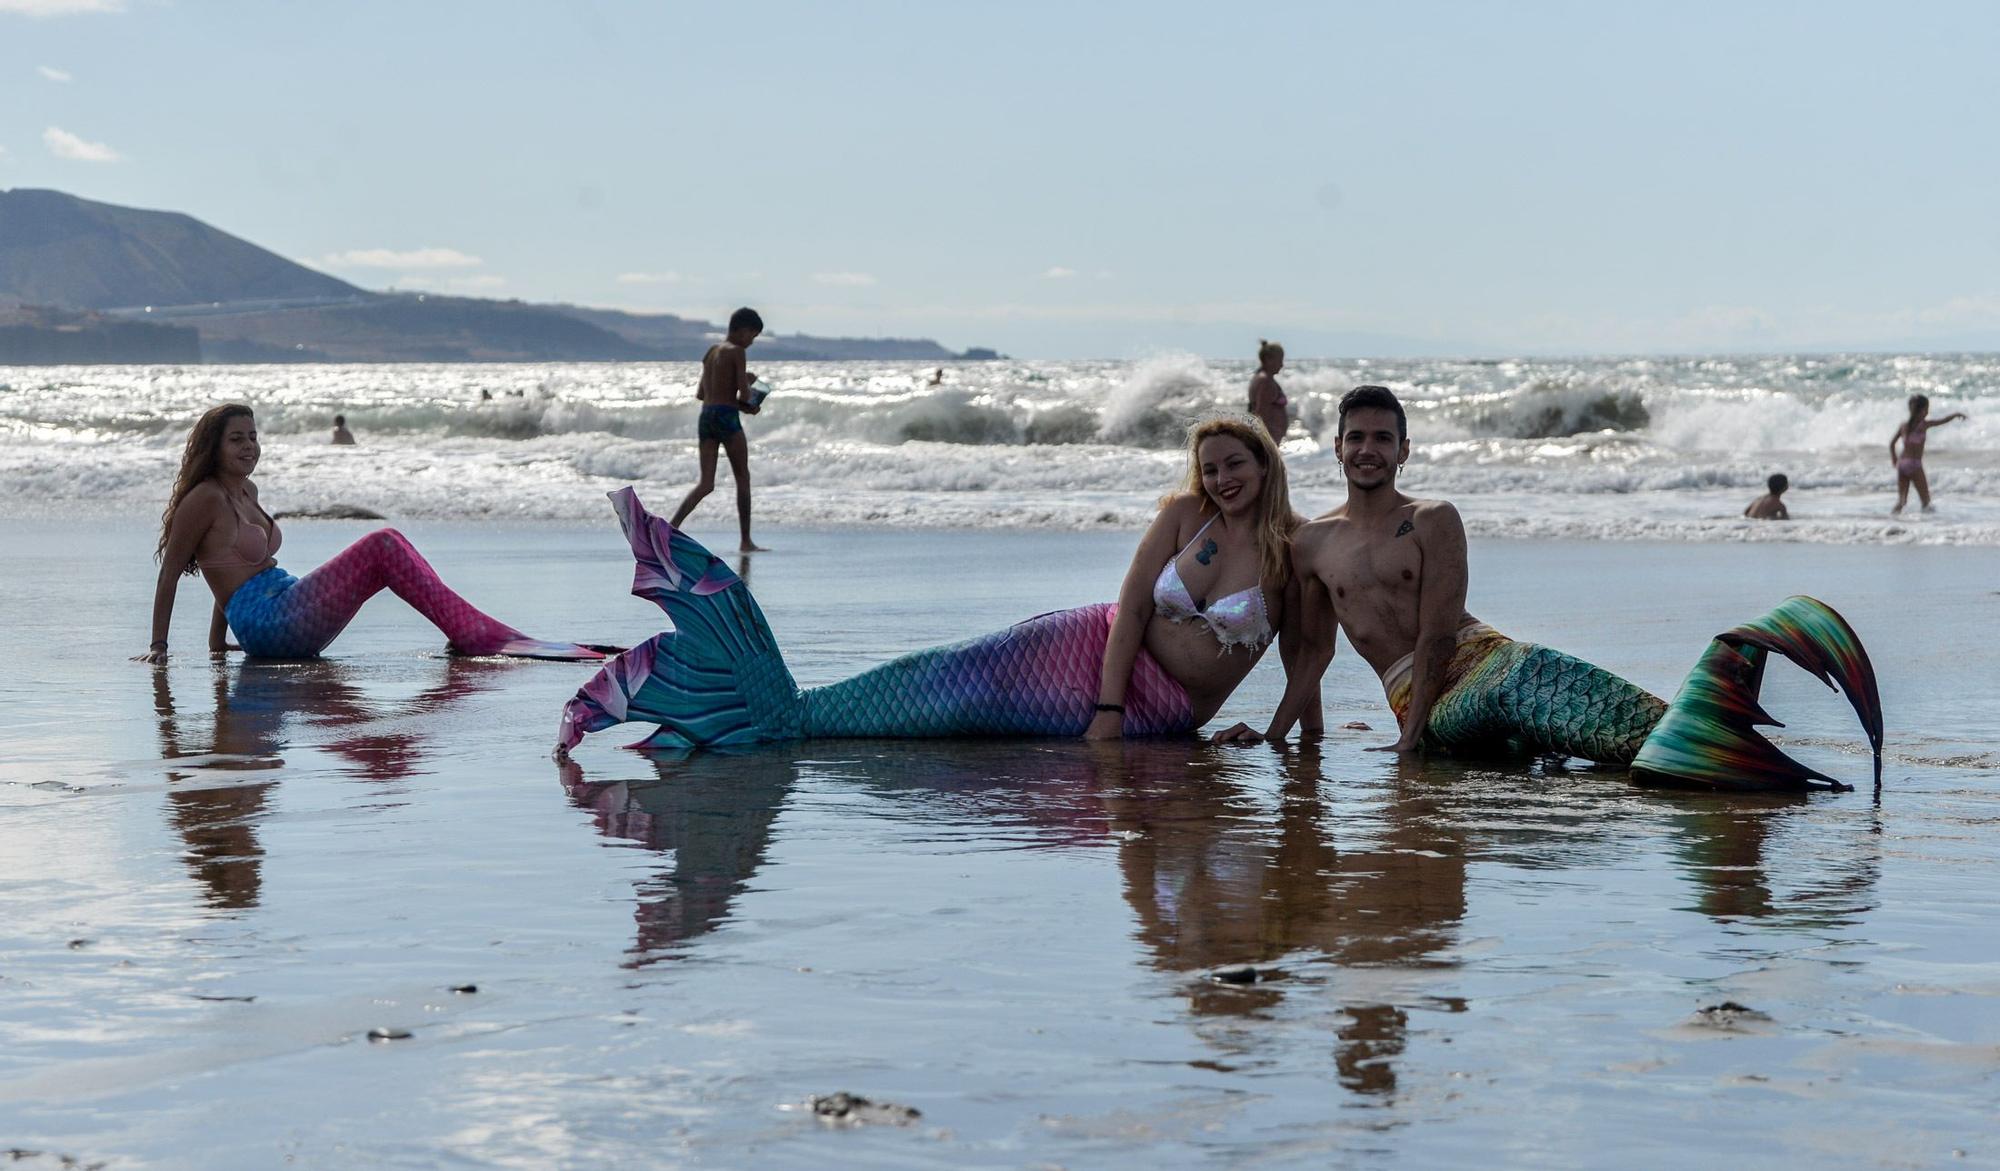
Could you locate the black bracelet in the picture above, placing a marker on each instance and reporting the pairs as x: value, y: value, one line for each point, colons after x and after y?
x: 1112, y: 707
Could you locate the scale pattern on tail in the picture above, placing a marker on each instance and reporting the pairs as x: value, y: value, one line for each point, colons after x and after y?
x: 1502, y: 694
x: 719, y: 679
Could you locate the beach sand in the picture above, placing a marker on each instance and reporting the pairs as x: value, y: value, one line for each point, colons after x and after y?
x: 217, y: 881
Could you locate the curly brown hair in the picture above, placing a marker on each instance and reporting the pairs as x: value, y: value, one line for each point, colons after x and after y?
x: 204, y: 446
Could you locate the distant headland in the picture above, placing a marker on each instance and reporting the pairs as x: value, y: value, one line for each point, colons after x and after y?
x: 84, y: 282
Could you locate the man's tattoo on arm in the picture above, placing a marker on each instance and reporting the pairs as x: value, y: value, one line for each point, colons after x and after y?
x: 1409, y: 526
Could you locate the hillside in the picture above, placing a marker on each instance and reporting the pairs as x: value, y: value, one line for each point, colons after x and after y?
x: 60, y: 253
x: 58, y: 250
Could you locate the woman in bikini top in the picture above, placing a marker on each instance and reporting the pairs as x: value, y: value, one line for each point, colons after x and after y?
x: 1211, y: 577
x: 1267, y: 398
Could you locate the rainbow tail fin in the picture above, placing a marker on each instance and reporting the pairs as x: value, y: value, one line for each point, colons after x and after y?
x: 716, y: 678
x: 1709, y: 735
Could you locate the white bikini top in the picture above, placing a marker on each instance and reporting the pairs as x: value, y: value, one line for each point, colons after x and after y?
x: 1236, y: 620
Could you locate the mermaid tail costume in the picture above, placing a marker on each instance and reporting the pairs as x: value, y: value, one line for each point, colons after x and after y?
x: 717, y: 678
x: 277, y: 616
x: 1503, y: 694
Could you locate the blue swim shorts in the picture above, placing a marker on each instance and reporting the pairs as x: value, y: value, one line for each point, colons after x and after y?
x: 719, y: 422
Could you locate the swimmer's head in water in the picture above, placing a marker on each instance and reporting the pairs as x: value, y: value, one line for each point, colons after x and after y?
x: 1270, y: 355
x: 340, y: 420
x: 1920, y: 405
x: 227, y: 433
x: 745, y: 321
x: 1777, y: 483
x: 1235, y: 467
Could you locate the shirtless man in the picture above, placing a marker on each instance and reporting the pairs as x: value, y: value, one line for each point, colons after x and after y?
x: 725, y: 396
x: 1388, y: 568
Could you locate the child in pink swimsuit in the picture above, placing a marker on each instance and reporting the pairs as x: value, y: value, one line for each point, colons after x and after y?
x: 1910, y: 461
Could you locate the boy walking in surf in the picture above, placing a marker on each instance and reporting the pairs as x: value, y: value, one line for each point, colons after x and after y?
x: 725, y: 397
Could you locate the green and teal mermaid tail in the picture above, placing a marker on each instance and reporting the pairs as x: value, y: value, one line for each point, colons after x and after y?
x: 718, y: 678
x: 1518, y: 696
x: 1709, y: 735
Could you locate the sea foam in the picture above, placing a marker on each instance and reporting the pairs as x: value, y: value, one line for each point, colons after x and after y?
x: 1658, y: 448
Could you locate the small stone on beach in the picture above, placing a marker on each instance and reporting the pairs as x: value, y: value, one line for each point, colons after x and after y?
x: 1357, y: 726
x: 1235, y: 974
x: 844, y: 1109
x: 1728, y: 1015
x: 388, y: 1034
x: 464, y: 989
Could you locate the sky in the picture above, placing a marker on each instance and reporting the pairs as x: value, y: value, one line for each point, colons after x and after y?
x: 1076, y: 179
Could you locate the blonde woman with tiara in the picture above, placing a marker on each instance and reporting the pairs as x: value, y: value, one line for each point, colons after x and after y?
x: 1267, y: 399
x: 1208, y: 591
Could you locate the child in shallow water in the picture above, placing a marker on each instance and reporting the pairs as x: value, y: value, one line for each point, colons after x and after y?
x: 1770, y: 506
x: 1910, y: 461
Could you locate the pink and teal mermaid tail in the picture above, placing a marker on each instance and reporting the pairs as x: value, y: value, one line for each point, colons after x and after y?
x: 277, y: 616
x: 718, y: 677
x: 1507, y: 695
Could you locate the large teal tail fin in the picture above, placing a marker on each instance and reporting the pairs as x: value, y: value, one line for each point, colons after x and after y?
x: 716, y: 678
x: 1709, y: 735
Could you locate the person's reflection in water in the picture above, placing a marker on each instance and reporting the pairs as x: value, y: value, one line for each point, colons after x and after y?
x: 257, y: 708
x: 1214, y: 887
x: 709, y: 813
x: 1725, y: 843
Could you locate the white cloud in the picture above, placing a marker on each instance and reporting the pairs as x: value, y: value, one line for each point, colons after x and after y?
x: 844, y: 278
x: 1058, y: 273
x: 65, y: 145
x: 59, y: 7
x: 390, y: 258
x: 484, y: 282
x: 650, y: 278
x: 54, y: 74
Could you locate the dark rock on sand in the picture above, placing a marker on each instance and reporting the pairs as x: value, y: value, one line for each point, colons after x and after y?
x: 465, y: 989
x: 1236, y: 974
x: 1728, y: 1016
x: 845, y: 1109
x: 390, y: 1033
x: 1357, y: 726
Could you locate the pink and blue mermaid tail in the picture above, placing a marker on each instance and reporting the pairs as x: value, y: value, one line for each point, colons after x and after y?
x: 718, y: 678
x: 1507, y: 695
x: 277, y: 616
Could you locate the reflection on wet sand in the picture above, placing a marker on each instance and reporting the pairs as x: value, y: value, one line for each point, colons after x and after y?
x: 1213, y: 886
x: 1725, y: 847
x: 1218, y: 868
x: 710, y: 813
x: 253, y: 706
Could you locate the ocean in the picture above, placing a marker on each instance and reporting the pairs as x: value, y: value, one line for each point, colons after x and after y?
x: 1625, y: 448
x: 220, y: 880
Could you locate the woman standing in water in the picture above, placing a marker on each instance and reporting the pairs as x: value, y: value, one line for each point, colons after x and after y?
x: 1207, y: 591
x: 1910, y: 461
x: 214, y: 525
x: 1267, y: 398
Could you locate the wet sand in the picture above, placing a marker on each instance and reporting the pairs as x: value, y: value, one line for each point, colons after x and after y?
x: 217, y: 881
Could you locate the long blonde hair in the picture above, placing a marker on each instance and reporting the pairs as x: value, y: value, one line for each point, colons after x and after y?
x: 1275, y: 520
x: 204, y: 447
